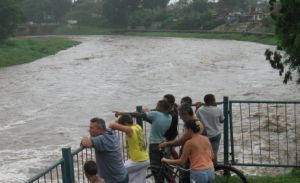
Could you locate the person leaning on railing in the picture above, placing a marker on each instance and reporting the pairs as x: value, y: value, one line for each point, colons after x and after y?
x: 160, y: 122
x: 138, y: 161
x: 198, y: 151
x: 212, y: 117
x: 108, y: 152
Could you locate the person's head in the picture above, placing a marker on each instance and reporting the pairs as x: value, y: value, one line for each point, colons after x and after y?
x: 193, y: 125
x: 97, y: 127
x: 185, y: 112
x: 125, y: 119
x: 162, y: 106
x: 170, y: 99
x: 90, y: 169
x: 186, y: 100
x: 209, y: 99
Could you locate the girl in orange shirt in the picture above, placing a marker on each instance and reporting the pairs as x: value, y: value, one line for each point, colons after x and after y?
x: 199, y: 151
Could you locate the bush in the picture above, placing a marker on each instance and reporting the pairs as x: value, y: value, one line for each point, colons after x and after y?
x: 145, y: 17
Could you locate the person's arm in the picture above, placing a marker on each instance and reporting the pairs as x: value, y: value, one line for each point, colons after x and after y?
x: 177, y: 142
x: 198, y: 105
x: 133, y: 114
x: 183, y: 158
x: 222, y: 118
x: 86, y: 142
x: 123, y: 128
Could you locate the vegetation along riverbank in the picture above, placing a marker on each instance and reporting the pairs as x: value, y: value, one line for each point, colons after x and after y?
x: 23, y: 50
x: 90, y: 30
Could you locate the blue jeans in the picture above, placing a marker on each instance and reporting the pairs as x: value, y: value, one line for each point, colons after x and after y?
x: 202, y: 176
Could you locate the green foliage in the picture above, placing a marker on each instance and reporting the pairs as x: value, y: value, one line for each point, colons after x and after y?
x: 117, y: 11
x: 40, y: 11
x: 286, y: 58
x: 267, y: 21
x: 20, y: 51
x: 151, y: 4
x: 84, y: 30
x: 144, y: 17
x: 88, y: 12
x: 9, y: 17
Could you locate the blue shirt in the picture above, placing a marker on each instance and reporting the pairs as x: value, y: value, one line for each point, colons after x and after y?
x: 160, y: 124
x: 109, y: 158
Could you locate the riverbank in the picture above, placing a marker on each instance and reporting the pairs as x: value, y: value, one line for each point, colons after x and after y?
x: 292, y: 177
x: 87, y: 30
x: 23, y: 50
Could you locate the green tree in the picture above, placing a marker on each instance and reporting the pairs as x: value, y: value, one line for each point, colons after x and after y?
x: 286, y: 57
x: 45, y: 10
x: 87, y: 12
x: 150, y: 4
x: 9, y: 17
x: 117, y: 11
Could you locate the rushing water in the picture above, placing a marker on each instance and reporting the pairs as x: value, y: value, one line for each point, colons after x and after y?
x: 47, y: 104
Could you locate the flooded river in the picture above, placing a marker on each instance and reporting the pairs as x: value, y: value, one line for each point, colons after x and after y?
x: 47, y: 104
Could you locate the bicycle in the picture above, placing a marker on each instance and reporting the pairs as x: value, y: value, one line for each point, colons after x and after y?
x: 175, y: 173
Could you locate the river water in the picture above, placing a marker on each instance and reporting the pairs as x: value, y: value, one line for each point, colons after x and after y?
x: 47, y: 104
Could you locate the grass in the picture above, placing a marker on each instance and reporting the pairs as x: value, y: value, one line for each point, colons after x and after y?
x: 292, y: 177
x: 23, y: 50
x: 89, y: 30
x: 83, y: 30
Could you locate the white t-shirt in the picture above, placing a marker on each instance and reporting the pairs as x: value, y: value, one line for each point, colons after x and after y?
x: 211, y: 117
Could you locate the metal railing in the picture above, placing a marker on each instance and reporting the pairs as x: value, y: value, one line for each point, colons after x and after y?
x: 256, y: 133
x: 264, y: 133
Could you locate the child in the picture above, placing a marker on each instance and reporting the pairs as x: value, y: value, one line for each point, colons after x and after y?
x: 212, y: 117
x: 138, y: 157
x: 90, y: 170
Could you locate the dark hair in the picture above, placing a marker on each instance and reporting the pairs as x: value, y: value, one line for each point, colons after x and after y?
x: 164, y: 105
x: 90, y: 168
x: 100, y: 123
x: 209, y: 99
x: 185, y: 109
x: 170, y: 99
x: 125, y: 118
x: 194, y: 125
x: 186, y: 100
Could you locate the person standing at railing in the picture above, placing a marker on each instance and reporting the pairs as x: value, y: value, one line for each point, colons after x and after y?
x: 212, y: 117
x: 138, y: 161
x: 160, y: 122
x: 198, y: 151
x: 108, y: 152
x: 172, y: 132
x: 186, y: 113
x: 91, y: 171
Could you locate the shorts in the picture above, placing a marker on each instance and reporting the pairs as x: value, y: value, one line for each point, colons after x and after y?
x: 215, y: 142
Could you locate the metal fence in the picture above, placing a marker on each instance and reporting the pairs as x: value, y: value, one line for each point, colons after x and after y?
x: 256, y: 133
x: 264, y: 133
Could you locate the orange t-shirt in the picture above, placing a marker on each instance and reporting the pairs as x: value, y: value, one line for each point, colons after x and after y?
x: 201, y: 154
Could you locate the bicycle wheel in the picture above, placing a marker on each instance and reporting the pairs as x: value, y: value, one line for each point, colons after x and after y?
x: 226, y: 174
x: 150, y: 177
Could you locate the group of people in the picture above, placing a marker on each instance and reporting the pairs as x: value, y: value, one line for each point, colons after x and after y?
x: 200, y: 141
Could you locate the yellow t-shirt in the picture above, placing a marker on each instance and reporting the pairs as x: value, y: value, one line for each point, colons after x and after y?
x: 137, y: 149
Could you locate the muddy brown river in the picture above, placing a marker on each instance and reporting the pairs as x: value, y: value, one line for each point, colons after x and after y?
x: 46, y: 105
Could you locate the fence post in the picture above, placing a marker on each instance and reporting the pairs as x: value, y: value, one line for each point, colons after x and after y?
x: 226, y: 139
x: 67, y: 166
x: 139, y: 120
